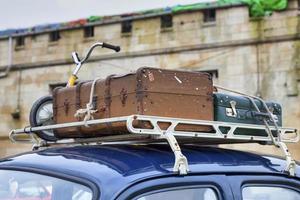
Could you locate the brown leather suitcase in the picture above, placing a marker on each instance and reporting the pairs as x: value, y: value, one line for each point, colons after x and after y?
x: 149, y: 91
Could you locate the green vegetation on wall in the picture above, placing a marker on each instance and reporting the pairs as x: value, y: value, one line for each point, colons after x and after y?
x: 260, y: 8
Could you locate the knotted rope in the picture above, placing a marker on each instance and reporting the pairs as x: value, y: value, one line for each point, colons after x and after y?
x: 88, y: 112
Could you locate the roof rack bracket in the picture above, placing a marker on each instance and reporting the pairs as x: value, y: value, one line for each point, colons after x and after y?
x: 290, y: 162
x: 181, y: 164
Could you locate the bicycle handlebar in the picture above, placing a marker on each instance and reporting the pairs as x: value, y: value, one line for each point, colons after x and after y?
x: 79, y: 62
x: 109, y: 46
x: 103, y: 45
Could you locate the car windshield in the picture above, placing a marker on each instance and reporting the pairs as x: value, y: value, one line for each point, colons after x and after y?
x: 17, y: 185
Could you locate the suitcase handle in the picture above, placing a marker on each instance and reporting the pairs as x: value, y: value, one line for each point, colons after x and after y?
x: 79, y: 62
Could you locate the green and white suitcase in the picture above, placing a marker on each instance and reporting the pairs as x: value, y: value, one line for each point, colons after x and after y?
x: 240, y: 109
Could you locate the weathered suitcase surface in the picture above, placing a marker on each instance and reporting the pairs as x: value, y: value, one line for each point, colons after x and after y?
x: 149, y: 91
x: 239, y: 109
x: 65, y: 105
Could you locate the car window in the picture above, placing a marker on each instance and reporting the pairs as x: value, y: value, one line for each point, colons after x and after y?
x: 269, y: 193
x: 30, y: 186
x: 186, y: 194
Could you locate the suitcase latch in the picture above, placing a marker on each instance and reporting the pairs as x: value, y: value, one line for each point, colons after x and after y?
x: 66, y: 106
x: 123, y: 96
x: 231, y: 112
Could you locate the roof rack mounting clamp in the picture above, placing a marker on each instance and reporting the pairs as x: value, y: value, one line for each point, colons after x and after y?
x: 181, y: 164
x: 290, y: 162
x: 38, y: 144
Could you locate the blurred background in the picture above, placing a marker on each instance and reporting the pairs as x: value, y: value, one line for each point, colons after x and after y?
x: 246, y: 46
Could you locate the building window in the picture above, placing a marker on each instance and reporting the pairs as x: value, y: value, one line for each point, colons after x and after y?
x: 20, y: 41
x: 166, y: 21
x: 214, y: 73
x: 89, y: 31
x: 54, y: 36
x: 209, y: 15
x: 126, y: 26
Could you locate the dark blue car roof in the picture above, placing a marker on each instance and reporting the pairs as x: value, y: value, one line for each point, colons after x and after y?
x: 121, y: 165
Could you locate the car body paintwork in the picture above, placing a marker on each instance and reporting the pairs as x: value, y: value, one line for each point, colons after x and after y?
x: 113, y: 168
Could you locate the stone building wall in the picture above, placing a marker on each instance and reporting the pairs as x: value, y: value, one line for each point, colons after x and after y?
x: 256, y: 56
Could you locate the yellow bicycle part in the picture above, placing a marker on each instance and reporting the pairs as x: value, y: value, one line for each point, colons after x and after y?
x: 72, y: 80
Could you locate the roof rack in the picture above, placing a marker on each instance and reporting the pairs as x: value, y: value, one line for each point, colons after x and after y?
x: 275, y: 135
x: 155, y: 133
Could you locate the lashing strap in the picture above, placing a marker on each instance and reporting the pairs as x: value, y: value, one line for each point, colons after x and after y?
x: 88, y: 112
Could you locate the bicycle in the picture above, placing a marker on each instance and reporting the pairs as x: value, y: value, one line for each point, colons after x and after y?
x: 41, y: 112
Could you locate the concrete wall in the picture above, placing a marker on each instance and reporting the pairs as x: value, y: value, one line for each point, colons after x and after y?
x: 257, y: 56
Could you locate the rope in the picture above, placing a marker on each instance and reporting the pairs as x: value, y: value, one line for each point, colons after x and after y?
x: 88, y: 112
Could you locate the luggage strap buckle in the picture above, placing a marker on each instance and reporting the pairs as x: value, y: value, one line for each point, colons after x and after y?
x: 231, y: 112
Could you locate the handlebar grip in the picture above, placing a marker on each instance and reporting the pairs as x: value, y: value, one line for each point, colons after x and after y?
x: 109, y: 46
